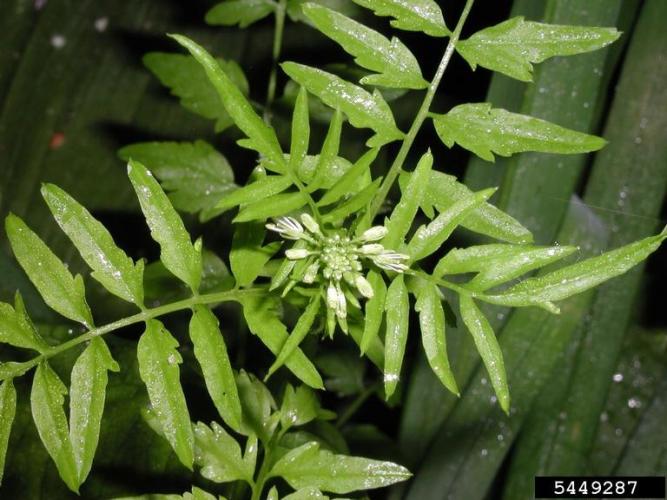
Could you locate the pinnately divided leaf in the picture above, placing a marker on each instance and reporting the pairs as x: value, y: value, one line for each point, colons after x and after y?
x: 581, y: 276
x: 262, y: 321
x: 308, y: 466
x: 195, y: 174
x: 432, y: 325
x: 211, y: 353
x: 429, y: 238
x: 261, y: 137
x: 300, y: 137
x: 16, y: 328
x: 187, y: 80
x: 374, y: 310
x: 241, y: 12
x: 158, y: 367
x: 403, y: 214
x: 489, y: 350
x: 513, y: 45
x: 7, y: 413
x: 444, y: 190
x: 484, y: 131
x: 87, y: 394
x: 219, y: 455
x: 111, y: 266
x: 397, y: 308
x: 61, y: 291
x: 178, y: 254
x: 498, y: 263
x: 259, y: 190
x: 395, y: 64
x: 410, y: 15
x: 362, y: 109
x: 273, y: 206
x: 46, y: 401
x: 301, y: 329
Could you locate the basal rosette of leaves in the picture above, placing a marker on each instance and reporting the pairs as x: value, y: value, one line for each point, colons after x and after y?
x: 359, y: 268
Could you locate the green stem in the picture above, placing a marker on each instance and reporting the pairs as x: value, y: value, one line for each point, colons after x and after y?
x: 140, y: 317
x: 281, y: 7
x: 397, y: 165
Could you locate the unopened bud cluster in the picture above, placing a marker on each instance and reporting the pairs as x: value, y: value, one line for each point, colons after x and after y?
x: 337, y: 258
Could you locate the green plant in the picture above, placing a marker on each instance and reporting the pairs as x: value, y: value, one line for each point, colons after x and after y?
x: 346, y: 269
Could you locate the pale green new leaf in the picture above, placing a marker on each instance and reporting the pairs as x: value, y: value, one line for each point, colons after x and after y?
x: 432, y: 325
x: 497, y: 263
x: 581, y: 276
x: 444, y: 190
x: 111, y: 266
x: 354, y: 204
x: 261, y: 137
x: 488, y: 348
x: 158, y: 367
x: 300, y: 131
x: 511, y: 46
x: 404, y: 213
x: 410, y: 15
x: 241, y: 12
x: 299, y: 407
x: 195, y: 175
x: 273, y: 206
x: 301, y: 329
x: 374, y: 310
x: 429, y: 238
x: 397, y: 309
x: 262, y: 320
x: 178, y: 254
x: 362, y: 109
x: 219, y: 455
x: 61, y: 291
x: 7, y: 413
x: 395, y: 64
x: 308, y: 466
x: 16, y: 328
x: 86, y: 406
x: 211, y: 353
x: 259, y: 190
x: 484, y: 131
x: 351, y: 181
x: 46, y: 402
x: 187, y: 80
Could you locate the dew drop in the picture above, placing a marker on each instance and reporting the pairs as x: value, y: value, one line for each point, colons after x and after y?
x: 58, y: 41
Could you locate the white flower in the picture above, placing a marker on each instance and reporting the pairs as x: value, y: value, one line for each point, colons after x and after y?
x: 371, y: 249
x: 337, y: 259
x: 374, y: 234
x: 311, y: 272
x: 297, y: 253
x: 363, y: 286
x: 392, y: 261
x: 288, y: 228
x: 311, y: 224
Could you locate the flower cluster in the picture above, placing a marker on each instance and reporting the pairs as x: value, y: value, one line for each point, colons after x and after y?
x: 338, y: 258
